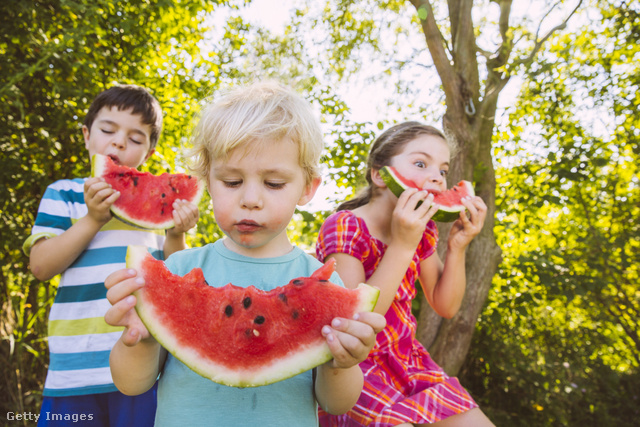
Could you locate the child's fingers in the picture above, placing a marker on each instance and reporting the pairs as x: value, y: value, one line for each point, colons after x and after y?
x: 131, y: 337
x: 354, y: 335
x: 343, y: 347
x: 124, y: 289
x: 117, y: 313
x: 376, y: 320
x: 94, y: 186
x: 118, y: 276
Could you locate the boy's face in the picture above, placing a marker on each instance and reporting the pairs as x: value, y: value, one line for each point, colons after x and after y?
x: 425, y: 161
x: 119, y: 135
x: 255, y: 194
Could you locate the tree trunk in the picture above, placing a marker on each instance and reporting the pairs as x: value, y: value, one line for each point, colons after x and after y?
x: 470, y: 121
x: 470, y: 118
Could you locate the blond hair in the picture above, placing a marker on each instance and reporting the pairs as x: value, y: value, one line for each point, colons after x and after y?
x: 250, y: 117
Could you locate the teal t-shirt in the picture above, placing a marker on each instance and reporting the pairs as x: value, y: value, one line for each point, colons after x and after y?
x: 186, y: 398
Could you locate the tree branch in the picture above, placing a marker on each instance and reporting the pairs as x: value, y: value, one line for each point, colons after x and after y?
x: 436, y: 46
x: 539, y: 43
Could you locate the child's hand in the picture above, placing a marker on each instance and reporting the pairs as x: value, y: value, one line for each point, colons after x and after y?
x: 185, y: 215
x: 351, y: 340
x: 407, y: 222
x: 465, y: 228
x: 99, y: 196
x: 120, y: 286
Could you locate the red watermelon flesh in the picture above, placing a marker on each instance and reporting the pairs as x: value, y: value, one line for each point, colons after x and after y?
x: 146, y: 200
x: 449, y: 201
x: 243, y: 337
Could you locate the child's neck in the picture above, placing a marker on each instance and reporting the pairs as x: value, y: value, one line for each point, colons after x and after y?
x: 273, y: 249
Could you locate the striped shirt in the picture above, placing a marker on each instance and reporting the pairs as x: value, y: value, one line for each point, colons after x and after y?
x: 79, y: 339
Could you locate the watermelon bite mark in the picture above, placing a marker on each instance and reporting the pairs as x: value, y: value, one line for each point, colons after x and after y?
x: 146, y: 200
x: 449, y: 202
x: 243, y: 337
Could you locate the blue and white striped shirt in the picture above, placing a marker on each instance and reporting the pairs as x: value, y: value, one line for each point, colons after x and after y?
x: 79, y: 339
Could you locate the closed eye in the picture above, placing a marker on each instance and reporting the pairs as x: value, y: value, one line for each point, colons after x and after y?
x: 275, y: 185
x: 232, y: 184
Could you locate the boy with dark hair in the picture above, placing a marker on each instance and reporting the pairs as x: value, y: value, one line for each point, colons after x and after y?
x: 76, y: 236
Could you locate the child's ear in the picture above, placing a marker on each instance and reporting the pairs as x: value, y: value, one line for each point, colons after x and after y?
x: 309, y: 191
x: 86, y: 133
x: 377, y: 179
x: 149, y: 154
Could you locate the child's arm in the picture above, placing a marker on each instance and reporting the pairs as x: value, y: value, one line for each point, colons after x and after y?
x: 339, y: 382
x: 136, y: 357
x: 444, y: 284
x: 50, y: 257
x: 185, y: 215
x: 407, y: 227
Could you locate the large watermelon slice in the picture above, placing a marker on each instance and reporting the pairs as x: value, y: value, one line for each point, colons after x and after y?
x: 447, y: 201
x: 146, y: 200
x: 243, y: 337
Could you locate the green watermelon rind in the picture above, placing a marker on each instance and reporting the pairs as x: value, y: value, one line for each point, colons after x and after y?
x: 444, y: 214
x: 98, y: 167
x: 302, y: 361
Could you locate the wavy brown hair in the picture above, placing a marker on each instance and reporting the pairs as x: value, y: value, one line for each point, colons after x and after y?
x: 389, y: 144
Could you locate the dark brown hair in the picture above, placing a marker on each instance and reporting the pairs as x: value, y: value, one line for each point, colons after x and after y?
x: 125, y: 97
x: 389, y: 144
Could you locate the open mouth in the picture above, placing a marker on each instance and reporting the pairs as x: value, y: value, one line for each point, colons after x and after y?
x: 115, y: 159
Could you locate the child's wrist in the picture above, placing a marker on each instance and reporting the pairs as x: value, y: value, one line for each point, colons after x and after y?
x: 401, y: 249
x: 173, y: 233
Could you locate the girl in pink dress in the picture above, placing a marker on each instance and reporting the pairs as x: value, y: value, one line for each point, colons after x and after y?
x: 387, y: 242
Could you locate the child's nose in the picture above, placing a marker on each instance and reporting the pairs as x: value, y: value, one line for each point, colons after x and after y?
x: 119, y: 141
x: 251, y: 198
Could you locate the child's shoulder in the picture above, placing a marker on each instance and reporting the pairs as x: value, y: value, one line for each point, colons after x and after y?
x: 65, y: 190
x: 341, y: 222
x: 73, y: 184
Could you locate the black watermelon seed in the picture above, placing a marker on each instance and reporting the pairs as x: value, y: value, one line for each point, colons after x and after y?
x: 283, y: 298
x: 228, y: 311
x: 246, y: 302
x: 323, y: 280
x: 259, y: 320
x: 298, y: 282
x: 162, y: 195
x: 248, y: 333
x: 135, y: 181
x: 294, y: 314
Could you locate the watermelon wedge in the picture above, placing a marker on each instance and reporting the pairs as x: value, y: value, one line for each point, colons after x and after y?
x: 243, y: 337
x: 448, y: 201
x: 146, y: 200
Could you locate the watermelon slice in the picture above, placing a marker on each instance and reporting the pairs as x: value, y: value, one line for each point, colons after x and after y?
x: 243, y: 337
x: 448, y: 201
x: 146, y: 200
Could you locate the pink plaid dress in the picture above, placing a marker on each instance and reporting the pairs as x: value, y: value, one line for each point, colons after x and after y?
x: 402, y: 382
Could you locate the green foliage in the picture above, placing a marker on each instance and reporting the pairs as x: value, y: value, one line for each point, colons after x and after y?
x: 559, y: 340
x: 55, y: 57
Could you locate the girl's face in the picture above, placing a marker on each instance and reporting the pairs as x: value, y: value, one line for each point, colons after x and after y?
x: 255, y: 194
x: 425, y: 161
x: 120, y: 135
